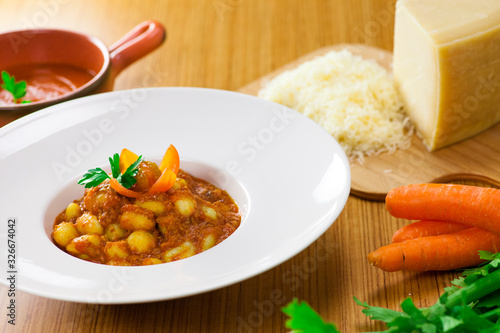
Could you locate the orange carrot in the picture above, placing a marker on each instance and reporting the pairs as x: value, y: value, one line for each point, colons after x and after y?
x: 169, y: 166
x: 470, y: 205
x: 425, y: 228
x: 127, y: 158
x: 444, y: 252
x: 164, y: 183
x: 170, y: 160
x: 115, y: 185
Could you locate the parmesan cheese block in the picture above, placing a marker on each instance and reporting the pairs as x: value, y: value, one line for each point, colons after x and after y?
x: 354, y: 99
x: 447, y: 67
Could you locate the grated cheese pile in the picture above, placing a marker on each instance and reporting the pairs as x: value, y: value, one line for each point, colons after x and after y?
x: 354, y: 99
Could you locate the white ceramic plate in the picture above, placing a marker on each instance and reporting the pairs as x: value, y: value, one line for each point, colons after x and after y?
x: 289, y: 177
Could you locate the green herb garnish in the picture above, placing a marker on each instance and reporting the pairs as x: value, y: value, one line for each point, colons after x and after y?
x: 304, y: 319
x: 472, y: 304
x: 127, y: 179
x: 17, y: 89
x: 93, y: 177
x: 96, y: 176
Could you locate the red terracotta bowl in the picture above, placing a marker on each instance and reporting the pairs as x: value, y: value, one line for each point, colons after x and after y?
x: 74, y: 51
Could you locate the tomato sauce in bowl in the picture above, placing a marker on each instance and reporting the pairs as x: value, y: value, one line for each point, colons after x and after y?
x: 59, y: 65
x: 46, y: 81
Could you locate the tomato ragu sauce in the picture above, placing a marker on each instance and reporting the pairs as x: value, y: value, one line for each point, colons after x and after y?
x: 46, y: 81
x: 152, y: 228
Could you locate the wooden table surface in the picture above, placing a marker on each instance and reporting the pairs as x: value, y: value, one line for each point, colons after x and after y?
x: 226, y: 44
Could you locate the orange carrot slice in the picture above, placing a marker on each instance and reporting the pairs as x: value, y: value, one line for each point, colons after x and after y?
x: 127, y: 158
x: 164, y: 183
x: 170, y: 160
x: 169, y: 166
x: 115, y: 185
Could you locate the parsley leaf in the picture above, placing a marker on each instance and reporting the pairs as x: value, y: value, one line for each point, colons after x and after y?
x: 472, y: 304
x: 377, y: 313
x: 17, y: 89
x: 115, y: 165
x: 93, y: 177
x: 127, y: 178
x: 96, y: 176
x: 304, y: 319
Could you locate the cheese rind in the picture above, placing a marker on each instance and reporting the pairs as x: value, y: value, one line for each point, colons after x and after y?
x: 446, y: 67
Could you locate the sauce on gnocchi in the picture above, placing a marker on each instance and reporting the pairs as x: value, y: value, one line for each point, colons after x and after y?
x: 109, y: 228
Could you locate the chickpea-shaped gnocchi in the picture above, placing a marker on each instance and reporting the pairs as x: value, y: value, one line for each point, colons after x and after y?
x: 73, y: 211
x: 137, y: 218
x: 152, y: 261
x: 209, y: 212
x: 115, y: 232
x: 208, y: 242
x: 141, y: 241
x: 117, y: 250
x: 88, y: 224
x: 185, y: 206
x: 157, y: 207
x: 86, y: 247
x: 64, y: 233
x: 179, y: 183
x: 182, y: 251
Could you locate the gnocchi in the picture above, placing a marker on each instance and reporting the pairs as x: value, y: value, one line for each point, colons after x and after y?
x: 89, y: 224
x: 154, y: 228
x: 64, y: 233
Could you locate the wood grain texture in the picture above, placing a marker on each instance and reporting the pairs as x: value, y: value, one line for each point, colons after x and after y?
x: 227, y: 44
x: 473, y: 159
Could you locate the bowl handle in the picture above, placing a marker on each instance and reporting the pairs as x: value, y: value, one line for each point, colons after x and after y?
x: 141, y: 40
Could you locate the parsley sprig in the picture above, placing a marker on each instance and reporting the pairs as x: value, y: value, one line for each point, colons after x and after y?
x: 304, y: 319
x: 96, y: 176
x: 17, y: 89
x: 472, y: 304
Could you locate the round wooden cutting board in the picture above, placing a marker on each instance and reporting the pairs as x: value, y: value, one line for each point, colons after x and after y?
x: 476, y: 159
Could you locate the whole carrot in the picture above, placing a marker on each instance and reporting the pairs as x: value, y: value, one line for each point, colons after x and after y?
x: 470, y: 205
x: 443, y: 252
x: 425, y: 228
